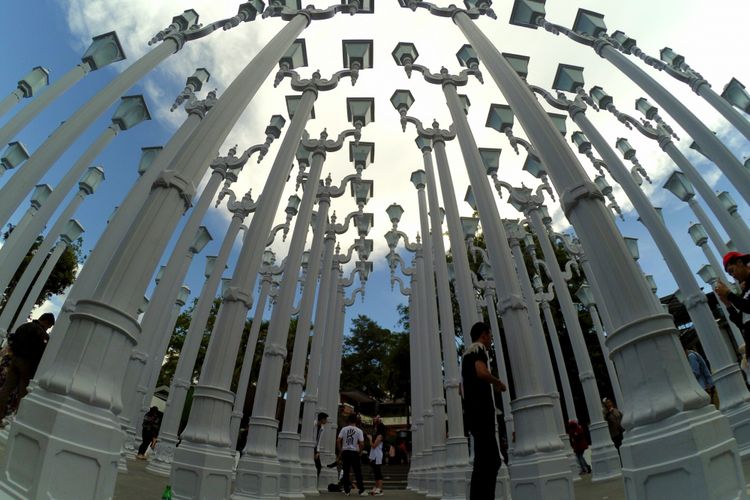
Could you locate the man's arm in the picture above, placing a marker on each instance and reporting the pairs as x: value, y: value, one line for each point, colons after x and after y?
x: 729, y: 298
x: 484, y: 374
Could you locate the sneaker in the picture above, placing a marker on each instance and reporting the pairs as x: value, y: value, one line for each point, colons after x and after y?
x: 332, y: 465
x: 376, y: 493
x: 363, y: 493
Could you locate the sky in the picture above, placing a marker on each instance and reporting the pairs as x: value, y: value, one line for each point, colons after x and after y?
x: 55, y: 33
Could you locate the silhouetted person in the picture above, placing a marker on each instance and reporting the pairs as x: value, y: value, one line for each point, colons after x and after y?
x: 480, y: 412
x: 27, y: 346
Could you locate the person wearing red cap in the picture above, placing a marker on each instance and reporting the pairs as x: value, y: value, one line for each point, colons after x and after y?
x: 738, y: 305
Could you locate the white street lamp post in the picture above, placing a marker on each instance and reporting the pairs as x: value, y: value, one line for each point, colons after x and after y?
x: 260, y: 468
x: 146, y: 356
x: 405, y: 54
x: 604, y: 457
x: 104, y: 50
x: 674, y: 65
x: 589, y: 29
x: 182, y: 29
x: 433, y: 384
x: 29, y: 85
x: 70, y: 233
x: 292, y: 443
x: 14, y: 155
x: 456, y: 454
x: 586, y: 297
x: 182, y: 378
x: 87, y: 186
x: 118, y: 225
x: 538, y: 426
x: 679, y: 186
x: 737, y: 229
x: 637, y: 319
x: 131, y: 112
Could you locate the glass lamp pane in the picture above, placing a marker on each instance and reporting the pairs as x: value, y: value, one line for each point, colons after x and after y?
x: 362, y: 154
x: 737, y: 95
x: 600, y: 97
x: 148, y: 155
x: 360, y: 109
x: 470, y: 225
x: 296, y: 55
x: 357, y: 51
x: 405, y: 51
x: 418, y: 178
x: 402, y: 99
x: 470, y: 199
x: 526, y: 12
x: 490, y: 159
x: 72, y: 230
x: 625, y: 148
x: 632, y: 244
x: 533, y: 166
x: 499, y: 117
x: 519, y: 63
x: 698, y: 234
x: 590, y: 23
x: 91, y: 179
x: 394, y: 212
x: 679, y: 186
x: 568, y: 78
x: 467, y: 56
x: 362, y: 191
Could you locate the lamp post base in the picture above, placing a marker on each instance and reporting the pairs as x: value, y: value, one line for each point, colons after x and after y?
x: 259, y: 470
x: 309, y: 473
x: 438, y: 472
x: 201, y: 471
x: 683, y: 456
x: 327, y: 476
x: 290, y: 479
x: 161, y: 463
x: 605, y: 461
x: 456, y: 455
x: 502, y: 485
x: 57, y: 440
x: 541, y: 475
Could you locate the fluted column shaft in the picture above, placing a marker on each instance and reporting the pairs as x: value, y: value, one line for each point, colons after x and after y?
x: 100, y: 257
x: 613, y: 378
x: 457, y: 454
x: 670, y: 408
x: 290, y: 441
x: 727, y: 375
x: 464, y: 287
x: 737, y: 231
x: 41, y: 280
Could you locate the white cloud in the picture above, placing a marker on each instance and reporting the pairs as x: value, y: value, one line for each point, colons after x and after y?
x: 692, y: 28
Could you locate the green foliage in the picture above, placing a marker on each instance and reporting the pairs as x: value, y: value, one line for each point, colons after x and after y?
x: 376, y: 360
x: 63, y: 274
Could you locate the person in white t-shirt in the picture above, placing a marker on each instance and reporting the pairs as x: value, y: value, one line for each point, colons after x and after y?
x: 350, y: 441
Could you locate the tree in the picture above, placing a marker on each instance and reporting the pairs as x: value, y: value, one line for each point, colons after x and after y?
x: 375, y: 361
x: 63, y: 274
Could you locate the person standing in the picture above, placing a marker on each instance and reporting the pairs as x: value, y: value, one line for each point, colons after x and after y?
x: 319, y: 423
x: 27, y: 346
x: 613, y: 417
x: 150, y: 430
x: 703, y: 375
x: 350, y: 441
x: 376, y: 455
x: 738, y: 305
x: 479, y: 404
x: 579, y: 444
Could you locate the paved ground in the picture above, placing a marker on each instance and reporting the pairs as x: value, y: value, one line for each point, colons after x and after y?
x: 138, y: 484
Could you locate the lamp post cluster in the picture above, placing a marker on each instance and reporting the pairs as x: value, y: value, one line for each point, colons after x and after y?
x: 100, y: 369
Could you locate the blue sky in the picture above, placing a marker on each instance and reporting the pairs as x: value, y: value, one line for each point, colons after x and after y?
x: 54, y: 34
